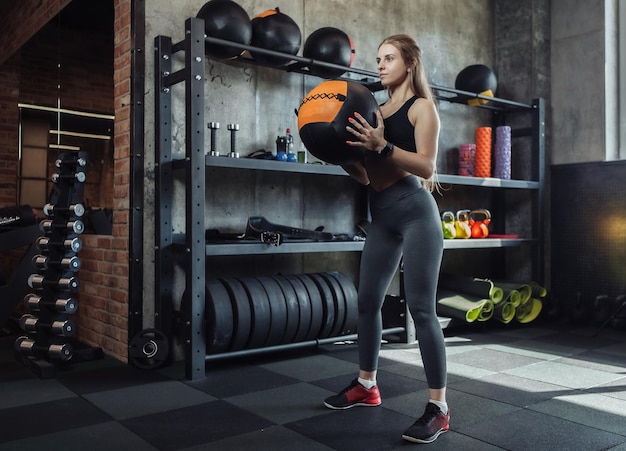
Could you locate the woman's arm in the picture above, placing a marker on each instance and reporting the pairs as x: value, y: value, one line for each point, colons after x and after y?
x: 357, y: 171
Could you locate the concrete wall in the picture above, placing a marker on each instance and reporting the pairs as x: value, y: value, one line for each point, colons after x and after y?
x: 580, y: 114
x: 452, y: 35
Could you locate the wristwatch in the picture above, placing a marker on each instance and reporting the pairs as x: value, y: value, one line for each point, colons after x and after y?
x: 386, y: 151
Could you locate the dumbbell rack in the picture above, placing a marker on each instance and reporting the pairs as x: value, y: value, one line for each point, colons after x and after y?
x: 48, y: 326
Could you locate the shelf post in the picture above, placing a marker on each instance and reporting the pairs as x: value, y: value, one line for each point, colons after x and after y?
x: 163, y: 179
x: 538, y: 139
x: 195, y: 173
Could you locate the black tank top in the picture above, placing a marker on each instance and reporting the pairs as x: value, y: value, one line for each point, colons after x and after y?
x: 398, y: 129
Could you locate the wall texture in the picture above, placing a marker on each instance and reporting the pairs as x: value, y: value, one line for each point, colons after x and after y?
x: 452, y: 35
x: 579, y: 74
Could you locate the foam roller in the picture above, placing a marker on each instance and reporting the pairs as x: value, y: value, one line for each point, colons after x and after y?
x: 482, y: 161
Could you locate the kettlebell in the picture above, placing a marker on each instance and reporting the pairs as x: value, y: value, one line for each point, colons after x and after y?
x: 479, y: 222
x: 447, y: 222
x: 462, y: 225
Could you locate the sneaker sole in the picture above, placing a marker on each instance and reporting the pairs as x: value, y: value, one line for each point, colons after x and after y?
x: 358, y: 404
x: 425, y: 440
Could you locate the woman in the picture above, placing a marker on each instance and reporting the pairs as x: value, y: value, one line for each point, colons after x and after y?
x: 405, y: 225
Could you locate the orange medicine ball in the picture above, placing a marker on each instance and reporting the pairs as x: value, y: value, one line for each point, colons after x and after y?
x: 323, y: 117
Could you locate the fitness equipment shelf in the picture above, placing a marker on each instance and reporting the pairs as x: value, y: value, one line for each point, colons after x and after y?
x: 325, y: 169
x: 195, y: 161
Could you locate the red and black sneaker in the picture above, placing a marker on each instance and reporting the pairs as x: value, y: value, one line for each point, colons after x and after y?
x: 354, y: 395
x: 429, y: 426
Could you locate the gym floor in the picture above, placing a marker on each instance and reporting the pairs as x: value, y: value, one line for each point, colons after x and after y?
x: 538, y: 387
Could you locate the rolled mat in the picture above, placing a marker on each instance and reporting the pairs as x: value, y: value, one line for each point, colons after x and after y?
x: 480, y: 288
x: 504, y: 312
x: 482, y: 157
x: 523, y: 290
x: 462, y: 306
x: 537, y: 290
x: 502, y: 152
x: 528, y: 311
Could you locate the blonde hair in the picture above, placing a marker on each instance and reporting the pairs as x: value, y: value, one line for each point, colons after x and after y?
x: 412, y: 55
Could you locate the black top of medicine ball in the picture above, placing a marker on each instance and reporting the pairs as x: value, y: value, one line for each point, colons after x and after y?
x: 274, y: 30
x: 477, y: 78
x: 225, y: 19
x: 331, y: 45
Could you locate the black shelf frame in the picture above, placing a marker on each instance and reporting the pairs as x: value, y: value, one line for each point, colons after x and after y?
x: 196, y: 159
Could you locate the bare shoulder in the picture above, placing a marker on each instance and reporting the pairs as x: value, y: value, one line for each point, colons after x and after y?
x: 423, y: 109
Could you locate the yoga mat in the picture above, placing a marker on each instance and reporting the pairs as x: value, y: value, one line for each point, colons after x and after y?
x: 480, y: 288
x: 482, y: 158
x: 464, y: 307
x: 502, y: 153
x: 537, y: 290
x: 529, y: 311
x: 467, y: 153
x: 524, y: 290
x: 504, y: 312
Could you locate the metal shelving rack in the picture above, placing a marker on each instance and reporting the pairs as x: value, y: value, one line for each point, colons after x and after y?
x: 195, y: 161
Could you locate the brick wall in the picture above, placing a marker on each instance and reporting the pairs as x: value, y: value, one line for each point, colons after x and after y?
x: 102, y: 316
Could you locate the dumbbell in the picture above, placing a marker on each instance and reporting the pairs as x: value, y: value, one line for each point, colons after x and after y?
x: 77, y: 226
x: 31, y: 323
x: 62, y: 305
x: 45, y: 244
x: 76, y: 177
x: 81, y: 162
x: 233, y: 128
x: 28, y: 346
x: 50, y: 210
x: 214, y: 126
x: 40, y: 282
x: 43, y: 262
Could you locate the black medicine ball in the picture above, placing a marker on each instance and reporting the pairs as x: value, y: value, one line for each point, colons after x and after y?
x: 225, y: 19
x: 479, y: 79
x: 273, y: 30
x: 330, y: 45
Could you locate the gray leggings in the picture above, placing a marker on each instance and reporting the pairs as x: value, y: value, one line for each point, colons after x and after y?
x: 405, y: 226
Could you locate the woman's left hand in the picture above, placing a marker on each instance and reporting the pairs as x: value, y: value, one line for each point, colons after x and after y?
x: 372, y: 138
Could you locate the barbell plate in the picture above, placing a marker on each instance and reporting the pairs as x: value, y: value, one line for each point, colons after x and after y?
x: 352, y: 303
x: 304, y: 308
x: 338, y: 301
x: 328, y: 305
x: 317, y: 310
x: 219, y: 317
x: 242, y: 314
x: 293, y: 309
x: 278, y: 311
x: 260, y: 307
